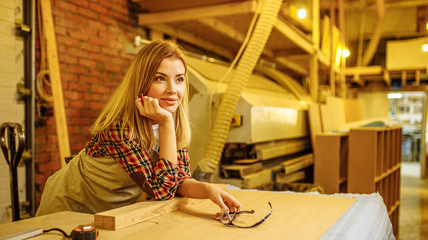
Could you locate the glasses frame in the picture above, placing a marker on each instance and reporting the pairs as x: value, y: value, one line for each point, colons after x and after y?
x: 232, y: 215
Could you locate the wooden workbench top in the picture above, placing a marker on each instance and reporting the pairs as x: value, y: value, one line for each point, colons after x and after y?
x: 294, y: 216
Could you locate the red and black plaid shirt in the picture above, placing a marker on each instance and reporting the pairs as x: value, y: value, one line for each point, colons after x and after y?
x: 162, y: 176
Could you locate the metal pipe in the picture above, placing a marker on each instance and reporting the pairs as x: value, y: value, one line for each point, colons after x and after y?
x: 374, y: 41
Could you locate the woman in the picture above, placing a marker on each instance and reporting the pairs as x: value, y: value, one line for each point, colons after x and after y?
x: 139, y: 143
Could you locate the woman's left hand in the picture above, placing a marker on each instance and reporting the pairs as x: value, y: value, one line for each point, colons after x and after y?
x: 224, y: 200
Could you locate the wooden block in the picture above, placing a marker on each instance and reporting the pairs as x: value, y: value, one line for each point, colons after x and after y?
x: 257, y: 179
x: 142, y: 211
x: 290, y: 178
x: 246, y: 161
x: 241, y: 170
x: 297, y: 164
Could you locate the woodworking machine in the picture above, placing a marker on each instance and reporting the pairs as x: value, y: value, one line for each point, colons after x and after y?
x: 270, y: 123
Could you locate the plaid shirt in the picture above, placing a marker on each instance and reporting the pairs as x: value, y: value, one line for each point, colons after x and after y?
x: 161, y: 175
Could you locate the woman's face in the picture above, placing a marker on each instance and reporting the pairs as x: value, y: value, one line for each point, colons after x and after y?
x: 169, y: 84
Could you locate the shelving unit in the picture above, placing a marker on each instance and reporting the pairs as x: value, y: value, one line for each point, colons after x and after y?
x: 374, y: 165
x: 331, y: 162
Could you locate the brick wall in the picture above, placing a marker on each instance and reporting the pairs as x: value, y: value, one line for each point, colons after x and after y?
x: 90, y: 39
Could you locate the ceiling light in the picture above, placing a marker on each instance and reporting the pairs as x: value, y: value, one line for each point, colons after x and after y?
x: 346, y: 53
x: 301, y: 13
x: 394, y: 96
x: 425, y: 47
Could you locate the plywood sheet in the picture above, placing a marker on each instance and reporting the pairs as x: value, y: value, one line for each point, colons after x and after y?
x: 353, y: 110
x: 294, y: 216
x: 333, y: 113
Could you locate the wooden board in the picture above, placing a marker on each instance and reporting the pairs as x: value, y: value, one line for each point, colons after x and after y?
x: 299, y: 163
x: 58, y: 100
x: 294, y: 216
x: 241, y: 171
x: 123, y: 217
x: 315, y: 122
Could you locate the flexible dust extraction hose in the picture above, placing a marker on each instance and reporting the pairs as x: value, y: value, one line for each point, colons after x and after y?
x: 234, y: 90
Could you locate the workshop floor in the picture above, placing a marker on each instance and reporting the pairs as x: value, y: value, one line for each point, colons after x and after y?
x: 413, y: 219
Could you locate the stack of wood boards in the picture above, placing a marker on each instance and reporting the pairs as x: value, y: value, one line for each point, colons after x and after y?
x: 253, y: 175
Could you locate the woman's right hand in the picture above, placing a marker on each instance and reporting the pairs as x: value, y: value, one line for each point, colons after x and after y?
x: 149, y: 107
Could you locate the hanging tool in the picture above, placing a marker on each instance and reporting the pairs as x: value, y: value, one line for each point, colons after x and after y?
x: 9, y: 132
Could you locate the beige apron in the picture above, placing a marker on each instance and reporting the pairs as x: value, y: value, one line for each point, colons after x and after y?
x: 89, y: 185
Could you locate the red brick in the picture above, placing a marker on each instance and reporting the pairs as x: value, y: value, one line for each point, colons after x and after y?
x: 107, y: 20
x: 110, y: 51
x: 100, y: 41
x: 86, y: 79
x: 77, y: 34
x: 112, y: 68
x: 95, y: 105
x: 52, y: 139
x: 75, y: 87
x: 80, y: 121
x: 67, y: 41
x: 72, y: 113
x: 87, y: 63
x: 80, y: 2
x: 40, y: 178
x: 90, y: 47
x: 42, y: 157
x: 78, y: 104
x: 90, y: 31
x: 69, y: 7
x: 78, y: 19
x: 48, y: 149
x: 97, y: 7
x: 67, y: 59
x: 73, y: 130
x: 78, y: 69
x: 97, y: 25
x: 100, y: 89
x: 87, y: 13
x: 68, y: 77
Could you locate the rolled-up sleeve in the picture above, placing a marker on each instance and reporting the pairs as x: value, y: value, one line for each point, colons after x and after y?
x: 162, y: 176
x: 183, y: 161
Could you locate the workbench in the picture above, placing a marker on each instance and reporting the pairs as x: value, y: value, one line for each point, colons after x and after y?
x: 294, y: 216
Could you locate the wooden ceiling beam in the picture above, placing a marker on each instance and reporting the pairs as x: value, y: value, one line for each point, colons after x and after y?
x: 223, y: 28
x: 187, y: 14
x: 291, y: 34
x: 193, y: 39
x: 358, y: 6
x: 364, y: 70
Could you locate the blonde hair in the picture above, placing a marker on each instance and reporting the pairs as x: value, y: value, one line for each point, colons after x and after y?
x: 137, y: 81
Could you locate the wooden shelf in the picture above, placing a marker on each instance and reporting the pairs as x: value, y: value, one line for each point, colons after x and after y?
x: 331, y: 162
x: 374, y: 165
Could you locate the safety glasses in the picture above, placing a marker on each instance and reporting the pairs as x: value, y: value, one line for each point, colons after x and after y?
x: 228, y: 220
